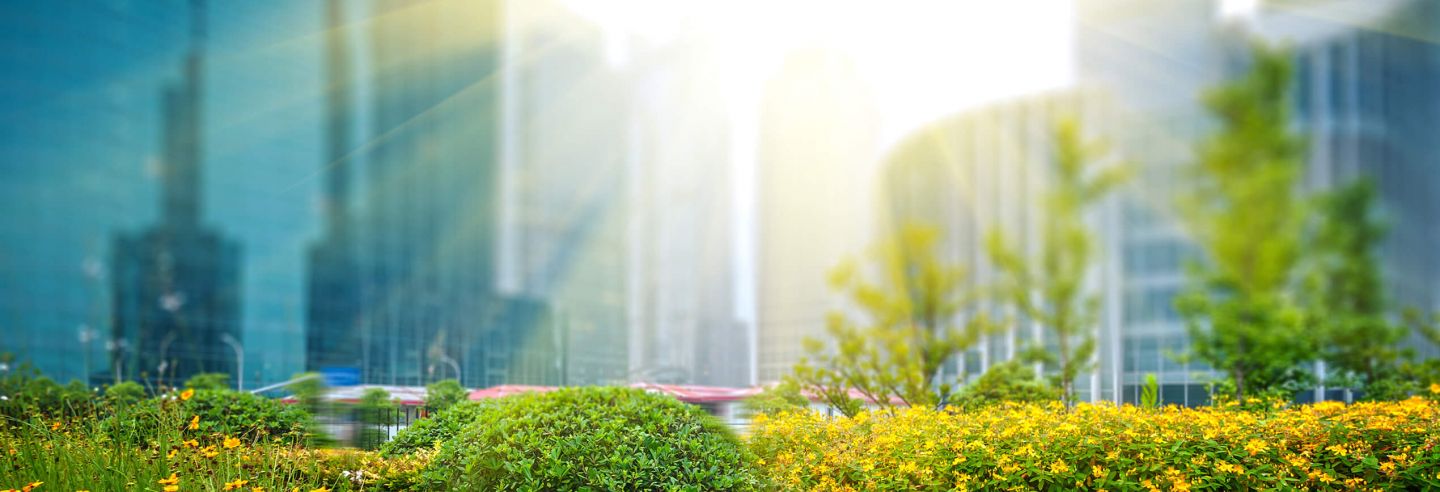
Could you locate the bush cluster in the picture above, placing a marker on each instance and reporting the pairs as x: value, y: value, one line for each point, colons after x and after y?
x: 429, y: 432
x: 593, y: 439
x: 1325, y: 446
x: 224, y: 412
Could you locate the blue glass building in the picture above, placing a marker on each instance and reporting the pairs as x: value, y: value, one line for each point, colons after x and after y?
x: 84, y: 148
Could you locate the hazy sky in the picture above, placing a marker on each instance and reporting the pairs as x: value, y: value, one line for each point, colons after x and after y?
x: 923, y: 59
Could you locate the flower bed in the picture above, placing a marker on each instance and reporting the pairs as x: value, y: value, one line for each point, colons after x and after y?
x: 1385, y: 446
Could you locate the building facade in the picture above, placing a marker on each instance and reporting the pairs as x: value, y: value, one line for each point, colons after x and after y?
x: 986, y: 171
x: 818, y: 152
x: 682, y: 233
x: 563, y: 215
x: 176, y: 286
x: 78, y: 147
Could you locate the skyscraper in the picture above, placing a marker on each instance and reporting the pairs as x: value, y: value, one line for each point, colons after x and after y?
x: 429, y: 210
x: 564, y: 185
x: 333, y: 294
x: 817, y: 160
x: 683, y: 234
x: 77, y: 151
x: 176, y: 286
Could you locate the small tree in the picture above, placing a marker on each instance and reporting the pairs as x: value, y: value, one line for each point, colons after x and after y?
x: 910, y: 317
x: 444, y: 394
x: 1050, y: 289
x: 1345, y: 292
x: 1245, y: 215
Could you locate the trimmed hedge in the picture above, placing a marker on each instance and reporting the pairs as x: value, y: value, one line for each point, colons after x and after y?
x: 593, y: 439
x: 1325, y: 446
x: 428, y: 432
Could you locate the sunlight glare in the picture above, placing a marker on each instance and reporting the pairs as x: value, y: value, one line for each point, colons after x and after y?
x: 922, y: 58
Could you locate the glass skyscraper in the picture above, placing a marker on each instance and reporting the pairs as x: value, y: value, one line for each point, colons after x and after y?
x: 85, y: 151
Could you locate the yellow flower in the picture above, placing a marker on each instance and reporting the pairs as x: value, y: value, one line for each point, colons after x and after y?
x: 192, y: 444
x: 194, y: 422
x: 172, y: 488
x: 171, y: 454
x: 185, y: 395
x: 209, y: 452
x: 55, y: 426
x: 321, y: 489
x: 169, y: 481
x: 1256, y: 446
x: 231, y: 443
x: 1059, y: 467
x: 31, y: 486
x: 235, y: 484
x: 257, y: 489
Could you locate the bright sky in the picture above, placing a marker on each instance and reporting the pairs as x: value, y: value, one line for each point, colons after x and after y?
x: 923, y: 58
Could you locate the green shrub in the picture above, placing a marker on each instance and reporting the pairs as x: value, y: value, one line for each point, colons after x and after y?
x: 208, y: 381
x: 1324, y: 446
x: 231, y: 413
x: 1010, y: 381
x: 781, y: 397
x: 28, y: 394
x: 124, y: 394
x: 441, y: 395
x: 593, y: 439
x: 439, y: 428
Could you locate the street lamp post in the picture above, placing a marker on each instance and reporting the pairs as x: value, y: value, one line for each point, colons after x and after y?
x: 164, y: 347
x: 239, y: 359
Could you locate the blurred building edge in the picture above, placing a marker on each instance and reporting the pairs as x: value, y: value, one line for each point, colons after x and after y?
x: 818, y: 145
x: 563, y: 185
x: 403, y: 284
x: 987, y: 169
x: 177, y: 285
x: 333, y: 291
x: 682, y: 234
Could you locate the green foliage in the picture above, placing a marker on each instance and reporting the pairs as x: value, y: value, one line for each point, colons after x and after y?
x: 428, y: 432
x: 226, y: 412
x: 1150, y: 393
x: 784, y: 396
x: 1244, y: 214
x: 375, y: 416
x: 1345, y: 294
x: 27, y: 393
x: 915, y: 317
x: 125, y: 393
x: 1007, y: 382
x: 1049, y: 289
x: 208, y: 381
x: 443, y: 394
x: 1325, y: 446
x: 593, y: 439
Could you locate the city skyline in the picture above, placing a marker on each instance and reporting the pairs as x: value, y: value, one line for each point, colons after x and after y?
x: 526, y: 195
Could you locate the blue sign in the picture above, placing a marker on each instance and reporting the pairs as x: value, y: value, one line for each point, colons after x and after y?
x: 341, y: 376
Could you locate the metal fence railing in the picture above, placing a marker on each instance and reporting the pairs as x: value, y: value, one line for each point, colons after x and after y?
x: 374, y: 426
